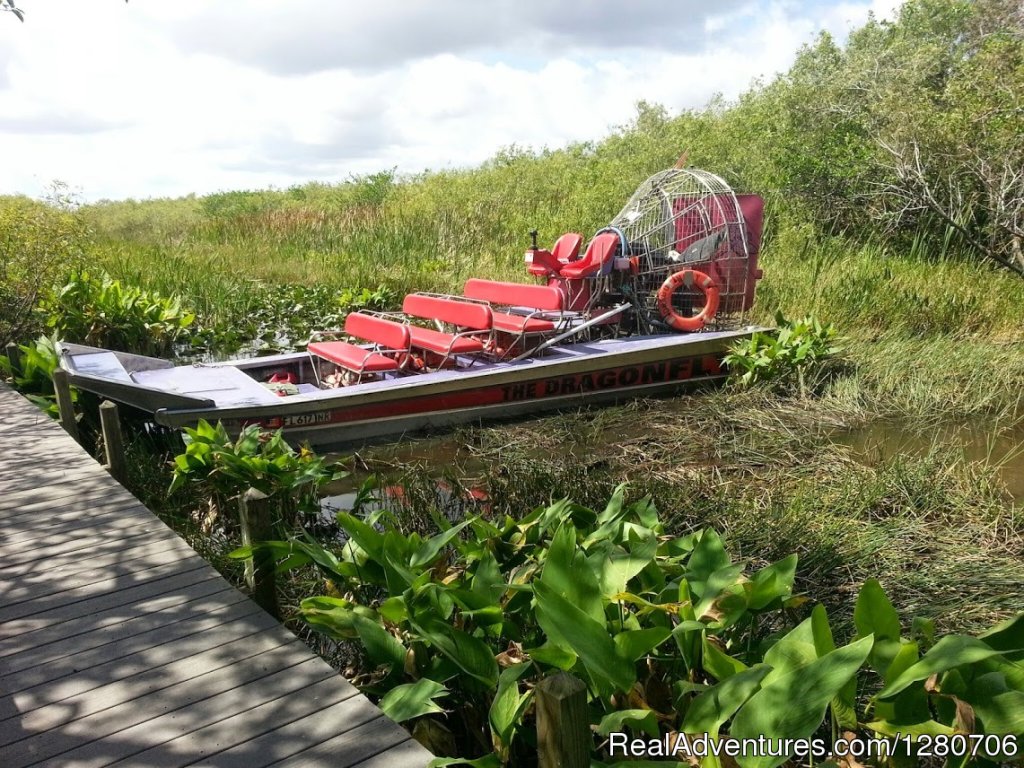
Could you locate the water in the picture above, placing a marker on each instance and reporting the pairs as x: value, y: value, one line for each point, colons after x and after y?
x: 1001, y: 448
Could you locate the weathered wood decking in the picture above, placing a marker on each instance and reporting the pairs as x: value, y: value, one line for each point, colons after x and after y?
x: 120, y: 646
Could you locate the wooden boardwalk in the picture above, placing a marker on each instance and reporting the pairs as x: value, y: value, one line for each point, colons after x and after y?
x: 120, y: 646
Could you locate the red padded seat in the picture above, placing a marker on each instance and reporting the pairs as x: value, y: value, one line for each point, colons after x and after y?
x: 463, y: 314
x: 352, y: 357
x: 521, y: 324
x: 538, y: 297
x: 384, y: 333
x: 567, y: 247
x: 596, y: 260
x: 444, y: 343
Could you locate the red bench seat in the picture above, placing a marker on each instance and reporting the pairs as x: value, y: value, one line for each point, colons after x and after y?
x: 535, y: 297
x: 386, y: 335
x: 352, y: 357
x: 472, y: 316
x: 444, y: 343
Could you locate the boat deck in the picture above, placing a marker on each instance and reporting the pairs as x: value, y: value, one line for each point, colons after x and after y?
x: 119, y: 645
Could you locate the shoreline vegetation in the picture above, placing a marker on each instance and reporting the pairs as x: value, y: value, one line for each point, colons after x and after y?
x: 891, y: 461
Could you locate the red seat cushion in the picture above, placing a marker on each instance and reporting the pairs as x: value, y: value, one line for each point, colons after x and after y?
x: 599, y: 253
x: 514, y: 294
x: 444, y: 343
x: 352, y: 357
x: 521, y: 323
x: 380, y: 330
x: 466, y: 314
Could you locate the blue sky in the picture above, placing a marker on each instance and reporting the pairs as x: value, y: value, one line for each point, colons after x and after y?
x: 155, y: 98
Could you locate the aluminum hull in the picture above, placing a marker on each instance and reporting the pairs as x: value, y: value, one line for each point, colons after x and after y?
x: 569, y: 376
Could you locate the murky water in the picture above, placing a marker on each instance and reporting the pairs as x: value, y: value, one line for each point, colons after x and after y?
x: 1001, y: 448
x: 439, y: 457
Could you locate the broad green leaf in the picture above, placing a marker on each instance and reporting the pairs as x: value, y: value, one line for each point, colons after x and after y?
x: 369, y: 540
x: 772, y: 583
x: 1002, y: 713
x: 470, y: 654
x: 633, y: 645
x: 716, y: 584
x: 794, y: 705
x: 554, y: 655
x: 708, y: 556
x: 566, y: 573
x: 1008, y: 637
x: 334, y: 616
x: 709, y: 711
x: 720, y: 664
x: 800, y: 647
x: 615, y: 566
x: 874, y: 615
x: 586, y: 637
x: 405, y: 702
x: 951, y: 651
x: 382, y: 648
x: 508, y: 705
x: 432, y: 547
x: 643, y: 720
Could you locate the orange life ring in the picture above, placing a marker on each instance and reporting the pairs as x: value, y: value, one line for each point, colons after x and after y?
x: 689, y: 278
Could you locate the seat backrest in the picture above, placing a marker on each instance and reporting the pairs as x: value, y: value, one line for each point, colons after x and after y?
x: 513, y: 294
x: 379, y: 330
x: 466, y: 314
x: 567, y: 247
x: 597, y: 259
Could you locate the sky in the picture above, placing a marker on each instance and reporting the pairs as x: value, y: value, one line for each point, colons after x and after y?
x: 162, y: 98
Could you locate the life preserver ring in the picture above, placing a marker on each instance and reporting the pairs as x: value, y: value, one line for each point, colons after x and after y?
x: 689, y: 278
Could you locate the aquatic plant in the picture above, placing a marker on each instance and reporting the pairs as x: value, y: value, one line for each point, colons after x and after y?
x: 223, y: 468
x: 670, y: 635
x: 794, y: 348
x: 103, y: 312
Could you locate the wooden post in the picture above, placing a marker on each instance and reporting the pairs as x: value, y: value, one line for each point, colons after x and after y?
x: 62, y: 388
x: 563, y: 728
x: 14, y: 355
x: 254, y: 512
x: 113, y: 441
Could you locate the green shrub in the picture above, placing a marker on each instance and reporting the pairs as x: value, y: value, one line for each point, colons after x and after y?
x: 225, y: 468
x: 668, y: 633
x: 33, y: 376
x: 38, y: 242
x: 793, y: 349
x: 103, y: 312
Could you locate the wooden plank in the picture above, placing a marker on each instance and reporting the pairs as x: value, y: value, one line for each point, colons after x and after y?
x: 126, y: 729
x: 352, y: 747
x: 119, y: 645
x: 285, y: 741
x: 240, y: 728
x: 37, y: 646
x: 218, y: 655
x: 58, y: 612
x: 70, y: 582
x: 153, y: 639
x: 82, y: 673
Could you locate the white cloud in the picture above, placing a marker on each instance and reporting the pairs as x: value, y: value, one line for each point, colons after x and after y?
x: 157, y: 98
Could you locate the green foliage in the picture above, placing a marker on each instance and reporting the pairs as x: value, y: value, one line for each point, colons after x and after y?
x: 33, y: 376
x: 224, y: 469
x: 794, y: 348
x: 669, y: 633
x: 103, y: 312
x: 38, y: 242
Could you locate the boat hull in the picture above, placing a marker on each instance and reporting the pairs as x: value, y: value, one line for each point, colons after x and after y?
x: 571, y: 376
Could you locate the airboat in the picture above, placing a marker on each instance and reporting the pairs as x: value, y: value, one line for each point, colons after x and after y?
x: 650, y: 306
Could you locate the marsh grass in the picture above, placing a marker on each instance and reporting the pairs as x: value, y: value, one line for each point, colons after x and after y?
x: 937, y: 528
